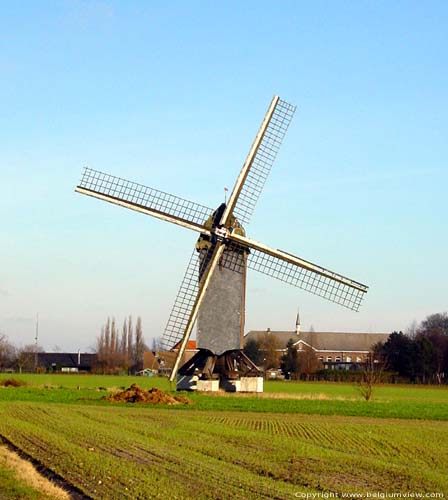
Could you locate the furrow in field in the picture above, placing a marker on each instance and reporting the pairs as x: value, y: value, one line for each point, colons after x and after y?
x: 366, y: 440
x: 93, y: 443
x: 185, y: 463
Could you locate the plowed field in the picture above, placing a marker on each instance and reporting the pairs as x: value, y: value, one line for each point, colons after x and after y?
x: 112, y: 452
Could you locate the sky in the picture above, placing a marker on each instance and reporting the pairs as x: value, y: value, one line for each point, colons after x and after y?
x: 171, y: 94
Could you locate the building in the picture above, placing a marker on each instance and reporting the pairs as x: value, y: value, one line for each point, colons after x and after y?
x: 163, y: 361
x: 335, y: 350
x: 66, y: 362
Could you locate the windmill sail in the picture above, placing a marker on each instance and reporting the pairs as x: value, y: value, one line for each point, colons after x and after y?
x: 300, y: 273
x: 189, y: 301
x: 143, y: 199
x: 186, y: 297
x: 259, y: 161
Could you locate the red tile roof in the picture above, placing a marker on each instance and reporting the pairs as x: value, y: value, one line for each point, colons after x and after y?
x: 191, y: 345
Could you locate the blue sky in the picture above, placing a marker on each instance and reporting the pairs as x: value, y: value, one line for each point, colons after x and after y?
x: 171, y: 95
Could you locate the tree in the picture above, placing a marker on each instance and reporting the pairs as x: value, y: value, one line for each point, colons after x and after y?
x: 308, y: 362
x: 107, y: 344
x: 124, y: 345
x: 156, y: 344
x: 101, y: 350
x: 290, y: 361
x: 7, y: 352
x: 139, y: 345
x: 300, y: 362
x: 117, y: 353
x: 425, y: 359
x: 422, y: 358
x: 400, y: 352
x: 372, y: 375
x: 412, y: 330
x: 252, y: 349
x: 271, y: 351
x: 435, y: 329
x: 130, y: 342
x: 435, y: 323
x: 26, y: 357
x: 112, y: 348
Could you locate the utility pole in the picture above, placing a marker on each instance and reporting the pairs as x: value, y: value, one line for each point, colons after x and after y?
x: 35, y: 342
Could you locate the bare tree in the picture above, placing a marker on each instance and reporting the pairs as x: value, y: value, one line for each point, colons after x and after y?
x: 156, y: 344
x: 124, y: 345
x: 107, y: 343
x: 130, y: 341
x: 120, y: 352
x: 435, y: 329
x: 139, y: 346
x: 26, y: 357
x: 412, y: 330
x: 271, y: 351
x: 7, y: 352
x: 308, y: 362
x: 372, y: 375
x: 114, y: 354
x: 101, y: 350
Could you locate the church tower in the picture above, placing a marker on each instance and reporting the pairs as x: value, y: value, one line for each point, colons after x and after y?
x: 298, y: 323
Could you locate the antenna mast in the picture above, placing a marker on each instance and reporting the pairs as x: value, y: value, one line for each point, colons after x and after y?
x: 35, y: 342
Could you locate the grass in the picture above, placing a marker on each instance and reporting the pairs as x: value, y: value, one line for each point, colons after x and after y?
x: 383, y: 392
x: 389, y: 401
x: 20, y: 481
x: 136, y: 452
x: 74, y: 381
x: 295, y: 438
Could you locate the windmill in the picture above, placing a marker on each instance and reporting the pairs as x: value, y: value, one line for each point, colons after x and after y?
x: 212, y: 291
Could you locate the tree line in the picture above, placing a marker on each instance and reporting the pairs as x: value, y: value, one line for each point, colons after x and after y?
x: 120, y: 350
x: 17, y: 358
x: 420, y: 355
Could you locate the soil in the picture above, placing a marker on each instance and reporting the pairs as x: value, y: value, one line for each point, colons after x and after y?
x: 12, y: 382
x: 135, y: 394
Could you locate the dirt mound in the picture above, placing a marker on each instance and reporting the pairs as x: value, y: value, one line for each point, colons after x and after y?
x: 135, y: 394
x: 12, y: 382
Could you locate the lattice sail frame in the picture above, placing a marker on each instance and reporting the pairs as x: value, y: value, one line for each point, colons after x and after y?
x: 313, y: 278
x: 115, y: 189
x: 263, y: 161
x: 186, y: 297
x: 326, y: 284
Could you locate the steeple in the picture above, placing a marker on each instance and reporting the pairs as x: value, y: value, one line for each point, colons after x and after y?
x: 298, y: 322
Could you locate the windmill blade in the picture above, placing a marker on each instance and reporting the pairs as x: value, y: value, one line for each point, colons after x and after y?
x: 188, y: 301
x: 144, y: 199
x: 184, y: 302
x: 259, y: 161
x: 299, y: 272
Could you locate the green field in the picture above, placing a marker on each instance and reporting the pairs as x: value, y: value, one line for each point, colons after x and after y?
x: 297, y: 438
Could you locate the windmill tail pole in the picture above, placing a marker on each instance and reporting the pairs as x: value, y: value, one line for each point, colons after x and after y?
x: 201, y: 294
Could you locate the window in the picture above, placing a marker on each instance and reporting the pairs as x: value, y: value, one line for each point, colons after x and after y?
x: 358, y: 359
x: 348, y: 359
x: 329, y: 359
x: 338, y: 359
